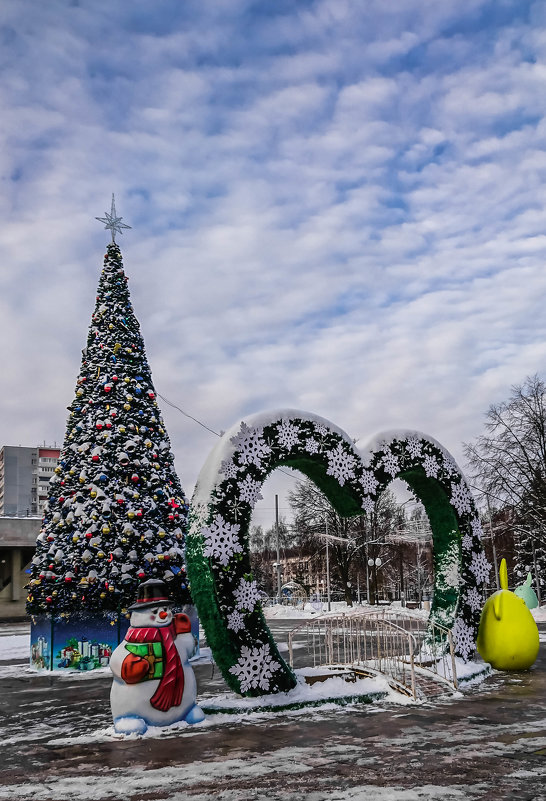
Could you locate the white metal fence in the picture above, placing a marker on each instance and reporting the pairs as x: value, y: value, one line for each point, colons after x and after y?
x: 405, y: 648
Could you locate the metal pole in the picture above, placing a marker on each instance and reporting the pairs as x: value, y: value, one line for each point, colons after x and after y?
x: 537, y: 582
x: 418, y: 578
x: 328, y: 569
x: 367, y: 578
x: 493, y: 543
x: 278, y: 549
x: 358, y: 587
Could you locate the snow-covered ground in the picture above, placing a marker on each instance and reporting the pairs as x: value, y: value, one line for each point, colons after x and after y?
x: 309, y: 610
x: 246, y: 749
x: 17, y: 646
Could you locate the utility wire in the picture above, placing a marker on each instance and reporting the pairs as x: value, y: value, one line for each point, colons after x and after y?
x: 195, y: 420
x: 212, y: 431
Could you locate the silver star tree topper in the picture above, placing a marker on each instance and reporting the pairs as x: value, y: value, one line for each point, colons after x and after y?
x: 113, y: 222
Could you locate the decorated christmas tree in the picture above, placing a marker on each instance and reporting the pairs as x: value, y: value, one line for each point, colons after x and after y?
x: 116, y: 513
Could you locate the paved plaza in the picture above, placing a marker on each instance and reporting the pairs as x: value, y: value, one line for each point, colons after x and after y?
x: 489, y: 743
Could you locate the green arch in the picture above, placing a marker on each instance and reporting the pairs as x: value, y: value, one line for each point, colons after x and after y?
x: 217, y: 551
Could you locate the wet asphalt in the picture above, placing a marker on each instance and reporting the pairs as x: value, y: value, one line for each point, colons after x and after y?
x: 489, y: 743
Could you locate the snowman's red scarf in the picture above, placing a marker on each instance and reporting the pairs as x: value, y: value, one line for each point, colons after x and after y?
x: 171, y: 686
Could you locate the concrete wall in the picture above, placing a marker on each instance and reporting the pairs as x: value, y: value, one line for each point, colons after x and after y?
x: 17, y: 545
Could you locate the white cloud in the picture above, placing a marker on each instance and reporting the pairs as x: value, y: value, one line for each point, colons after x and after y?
x: 337, y: 208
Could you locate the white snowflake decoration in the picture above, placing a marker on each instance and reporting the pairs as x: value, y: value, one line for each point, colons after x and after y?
x: 251, y: 447
x: 477, y: 529
x: 246, y: 595
x: 414, y: 447
x: 467, y: 541
x: 221, y: 540
x: 431, y: 467
x: 474, y: 599
x: 450, y: 467
x: 229, y: 469
x: 340, y: 464
x: 369, y: 482
x: 311, y: 445
x: 390, y: 463
x: 368, y: 504
x: 249, y: 491
x: 235, y: 621
x: 236, y: 508
x: 480, y: 567
x: 463, y: 634
x: 287, y: 434
x: 461, y: 498
x: 321, y: 429
x: 255, y: 667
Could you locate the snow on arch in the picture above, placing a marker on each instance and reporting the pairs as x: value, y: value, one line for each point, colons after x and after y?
x: 229, y: 485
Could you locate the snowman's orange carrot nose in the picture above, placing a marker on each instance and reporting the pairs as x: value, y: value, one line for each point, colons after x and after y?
x: 163, y: 614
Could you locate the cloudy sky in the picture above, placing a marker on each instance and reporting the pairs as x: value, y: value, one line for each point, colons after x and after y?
x: 336, y: 206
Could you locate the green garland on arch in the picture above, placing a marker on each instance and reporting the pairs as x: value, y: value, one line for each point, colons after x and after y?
x: 217, y: 550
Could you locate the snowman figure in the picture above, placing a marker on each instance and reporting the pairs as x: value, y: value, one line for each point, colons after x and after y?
x: 154, y: 683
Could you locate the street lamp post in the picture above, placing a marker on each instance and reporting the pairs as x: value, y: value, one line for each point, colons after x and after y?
x: 374, y: 564
x: 328, y: 569
x: 278, y: 549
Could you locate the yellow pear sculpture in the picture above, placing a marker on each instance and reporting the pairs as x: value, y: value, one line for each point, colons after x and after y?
x: 508, y: 635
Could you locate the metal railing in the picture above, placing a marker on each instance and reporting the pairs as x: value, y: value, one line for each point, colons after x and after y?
x: 405, y: 648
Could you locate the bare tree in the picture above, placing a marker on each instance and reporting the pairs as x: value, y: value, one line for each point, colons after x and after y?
x: 508, y: 463
x: 356, y: 537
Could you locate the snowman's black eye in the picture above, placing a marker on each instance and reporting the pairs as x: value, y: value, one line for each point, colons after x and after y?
x: 155, y: 611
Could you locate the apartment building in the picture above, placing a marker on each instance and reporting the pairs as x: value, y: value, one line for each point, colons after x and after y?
x: 24, y: 478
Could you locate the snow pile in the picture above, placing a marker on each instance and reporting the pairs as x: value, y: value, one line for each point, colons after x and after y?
x: 304, y: 694
x: 15, y: 646
x: 539, y: 613
x: 311, y: 610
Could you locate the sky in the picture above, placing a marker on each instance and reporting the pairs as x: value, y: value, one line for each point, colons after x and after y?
x: 336, y: 206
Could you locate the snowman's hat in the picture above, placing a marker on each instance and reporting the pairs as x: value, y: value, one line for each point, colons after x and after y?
x: 151, y: 593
